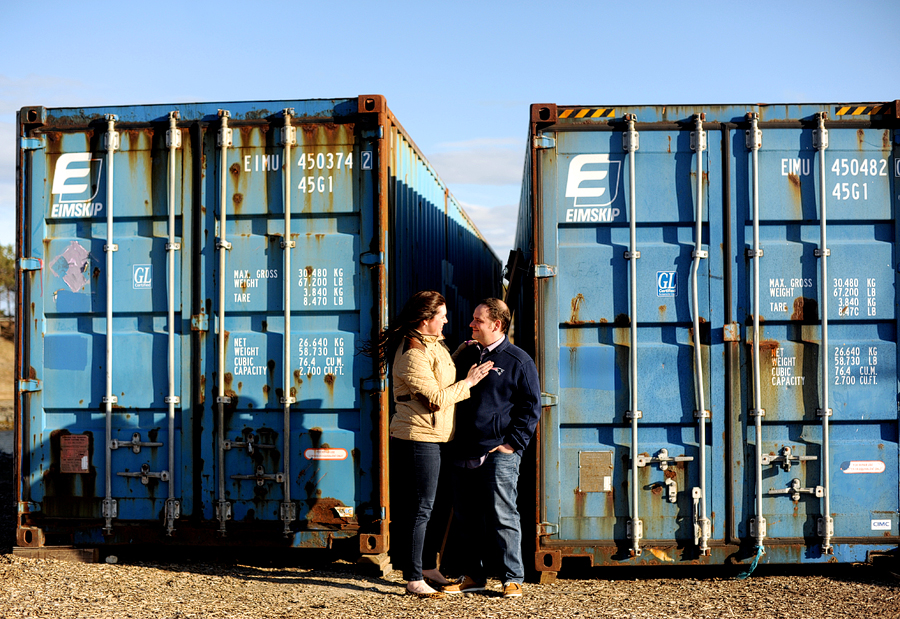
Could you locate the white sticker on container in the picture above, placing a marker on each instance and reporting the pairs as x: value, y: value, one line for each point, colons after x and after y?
x: 881, y: 525
x: 666, y: 283
x: 862, y: 466
x: 607, y: 483
x: 325, y: 454
x: 142, y: 276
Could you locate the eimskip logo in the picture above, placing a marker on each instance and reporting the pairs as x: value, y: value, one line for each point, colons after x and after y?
x: 587, y: 186
x: 592, y: 185
x: 76, y: 182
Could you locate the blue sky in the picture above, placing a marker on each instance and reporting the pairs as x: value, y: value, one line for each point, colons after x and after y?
x: 459, y: 76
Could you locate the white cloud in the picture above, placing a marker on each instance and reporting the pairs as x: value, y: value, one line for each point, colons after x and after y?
x: 480, y: 162
x: 7, y: 183
x: 46, y: 90
x: 497, y: 224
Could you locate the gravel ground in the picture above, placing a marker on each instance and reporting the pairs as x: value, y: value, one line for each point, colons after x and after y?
x: 302, y: 584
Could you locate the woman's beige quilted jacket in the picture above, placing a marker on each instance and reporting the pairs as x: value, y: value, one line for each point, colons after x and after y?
x: 425, y: 391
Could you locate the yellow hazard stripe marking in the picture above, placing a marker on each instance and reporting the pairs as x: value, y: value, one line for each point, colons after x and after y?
x: 859, y: 110
x: 589, y: 112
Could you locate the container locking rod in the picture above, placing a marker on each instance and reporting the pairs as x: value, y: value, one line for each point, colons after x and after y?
x: 701, y: 524
x: 826, y: 522
x: 223, y: 507
x: 754, y: 143
x: 289, y: 138
x: 111, y: 142
x: 630, y: 143
x: 173, y: 141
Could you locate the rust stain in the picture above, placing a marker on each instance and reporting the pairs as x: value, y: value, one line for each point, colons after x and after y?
x: 794, y: 179
x: 576, y: 306
x: 805, y: 310
x: 768, y: 344
x: 235, y: 169
x: 860, y: 139
x: 237, y: 198
x: 886, y: 140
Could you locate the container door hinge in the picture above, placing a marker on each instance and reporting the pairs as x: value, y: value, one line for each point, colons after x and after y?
x: 30, y: 264
x: 544, y: 270
x: 731, y: 332
x: 32, y: 143
x: 547, y: 528
x: 29, y: 385
x: 372, y: 259
x: 549, y: 399
x: 542, y: 142
x: 200, y: 322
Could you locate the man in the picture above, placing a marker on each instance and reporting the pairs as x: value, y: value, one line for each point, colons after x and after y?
x: 493, y: 428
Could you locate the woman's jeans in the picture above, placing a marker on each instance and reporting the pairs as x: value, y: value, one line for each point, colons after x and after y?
x: 420, y: 464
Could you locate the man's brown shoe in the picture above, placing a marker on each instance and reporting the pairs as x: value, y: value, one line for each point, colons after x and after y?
x: 512, y: 590
x: 463, y: 585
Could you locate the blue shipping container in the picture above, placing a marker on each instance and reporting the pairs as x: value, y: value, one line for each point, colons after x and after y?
x: 713, y: 313
x: 189, y: 330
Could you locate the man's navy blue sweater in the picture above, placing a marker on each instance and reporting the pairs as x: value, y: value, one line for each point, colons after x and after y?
x: 504, y: 407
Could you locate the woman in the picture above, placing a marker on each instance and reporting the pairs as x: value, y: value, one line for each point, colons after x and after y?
x: 425, y: 393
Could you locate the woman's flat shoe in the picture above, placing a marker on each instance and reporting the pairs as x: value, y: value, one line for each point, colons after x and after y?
x: 435, y: 584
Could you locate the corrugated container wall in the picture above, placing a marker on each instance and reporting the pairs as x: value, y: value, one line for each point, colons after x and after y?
x: 162, y: 264
x: 713, y: 313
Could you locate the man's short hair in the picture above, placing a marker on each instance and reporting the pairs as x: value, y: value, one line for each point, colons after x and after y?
x: 497, y: 310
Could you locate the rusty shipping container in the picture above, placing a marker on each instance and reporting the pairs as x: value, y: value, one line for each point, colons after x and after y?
x: 713, y: 310
x: 195, y: 284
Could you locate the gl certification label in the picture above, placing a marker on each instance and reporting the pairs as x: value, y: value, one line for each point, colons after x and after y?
x: 666, y: 283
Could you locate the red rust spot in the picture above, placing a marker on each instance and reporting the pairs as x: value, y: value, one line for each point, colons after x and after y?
x: 322, y: 511
x: 235, y: 169
x: 794, y: 180
x: 237, y: 198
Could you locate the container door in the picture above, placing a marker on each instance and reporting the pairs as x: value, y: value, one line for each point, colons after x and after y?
x: 66, y: 291
x: 587, y: 340
x: 858, y: 373
x: 326, y: 477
